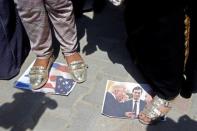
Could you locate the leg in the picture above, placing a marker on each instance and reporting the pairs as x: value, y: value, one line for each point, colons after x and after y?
x: 166, y: 71
x: 35, y: 21
x: 159, y: 52
x: 61, y: 15
x: 62, y: 18
x: 158, y: 45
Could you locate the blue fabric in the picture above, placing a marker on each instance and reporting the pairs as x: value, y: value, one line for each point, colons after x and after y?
x: 14, y: 43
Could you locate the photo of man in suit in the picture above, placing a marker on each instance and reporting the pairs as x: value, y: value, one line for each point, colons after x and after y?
x: 136, y: 103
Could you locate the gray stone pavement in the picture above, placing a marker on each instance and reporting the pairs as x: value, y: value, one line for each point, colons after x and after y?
x: 102, y: 39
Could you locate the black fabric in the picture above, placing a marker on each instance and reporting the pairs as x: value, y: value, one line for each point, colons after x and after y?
x: 14, y: 43
x: 79, y: 6
x: 156, y: 41
x: 190, y: 85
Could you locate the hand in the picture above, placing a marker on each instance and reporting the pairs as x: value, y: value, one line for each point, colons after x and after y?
x: 130, y: 114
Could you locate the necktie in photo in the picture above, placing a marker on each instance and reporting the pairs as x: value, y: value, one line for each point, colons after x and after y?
x: 135, y: 108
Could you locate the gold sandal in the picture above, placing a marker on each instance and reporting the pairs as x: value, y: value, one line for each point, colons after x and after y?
x: 154, y: 111
x: 78, y: 70
x: 38, y: 75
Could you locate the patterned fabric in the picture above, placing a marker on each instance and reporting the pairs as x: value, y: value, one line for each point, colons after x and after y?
x: 36, y: 14
x: 63, y: 85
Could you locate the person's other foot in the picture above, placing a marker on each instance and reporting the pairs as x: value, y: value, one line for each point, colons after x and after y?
x: 77, y: 67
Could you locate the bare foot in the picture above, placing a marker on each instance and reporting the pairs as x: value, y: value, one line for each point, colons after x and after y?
x: 42, y: 62
x: 74, y: 57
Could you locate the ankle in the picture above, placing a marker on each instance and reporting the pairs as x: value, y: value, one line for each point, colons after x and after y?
x: 42, y: 62
x: 73, y: 57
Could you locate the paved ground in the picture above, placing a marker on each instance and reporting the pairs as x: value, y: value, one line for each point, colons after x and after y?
x: 102, y: 39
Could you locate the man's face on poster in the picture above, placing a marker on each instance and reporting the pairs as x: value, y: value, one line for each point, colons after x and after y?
x: 120, y: 94
x: 136, y: 94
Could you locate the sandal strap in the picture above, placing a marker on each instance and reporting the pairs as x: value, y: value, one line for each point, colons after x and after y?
x: 37, y: 69
x: 75, y: 65
x: 78, y: 70
x: 153, y: 111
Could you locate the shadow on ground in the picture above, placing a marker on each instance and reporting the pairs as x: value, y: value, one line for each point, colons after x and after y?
x: 106, y: 32
x: 24, y: 111
x: 184, y: 123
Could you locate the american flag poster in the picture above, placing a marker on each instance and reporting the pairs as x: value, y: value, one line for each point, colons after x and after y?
x: 60, y: 81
